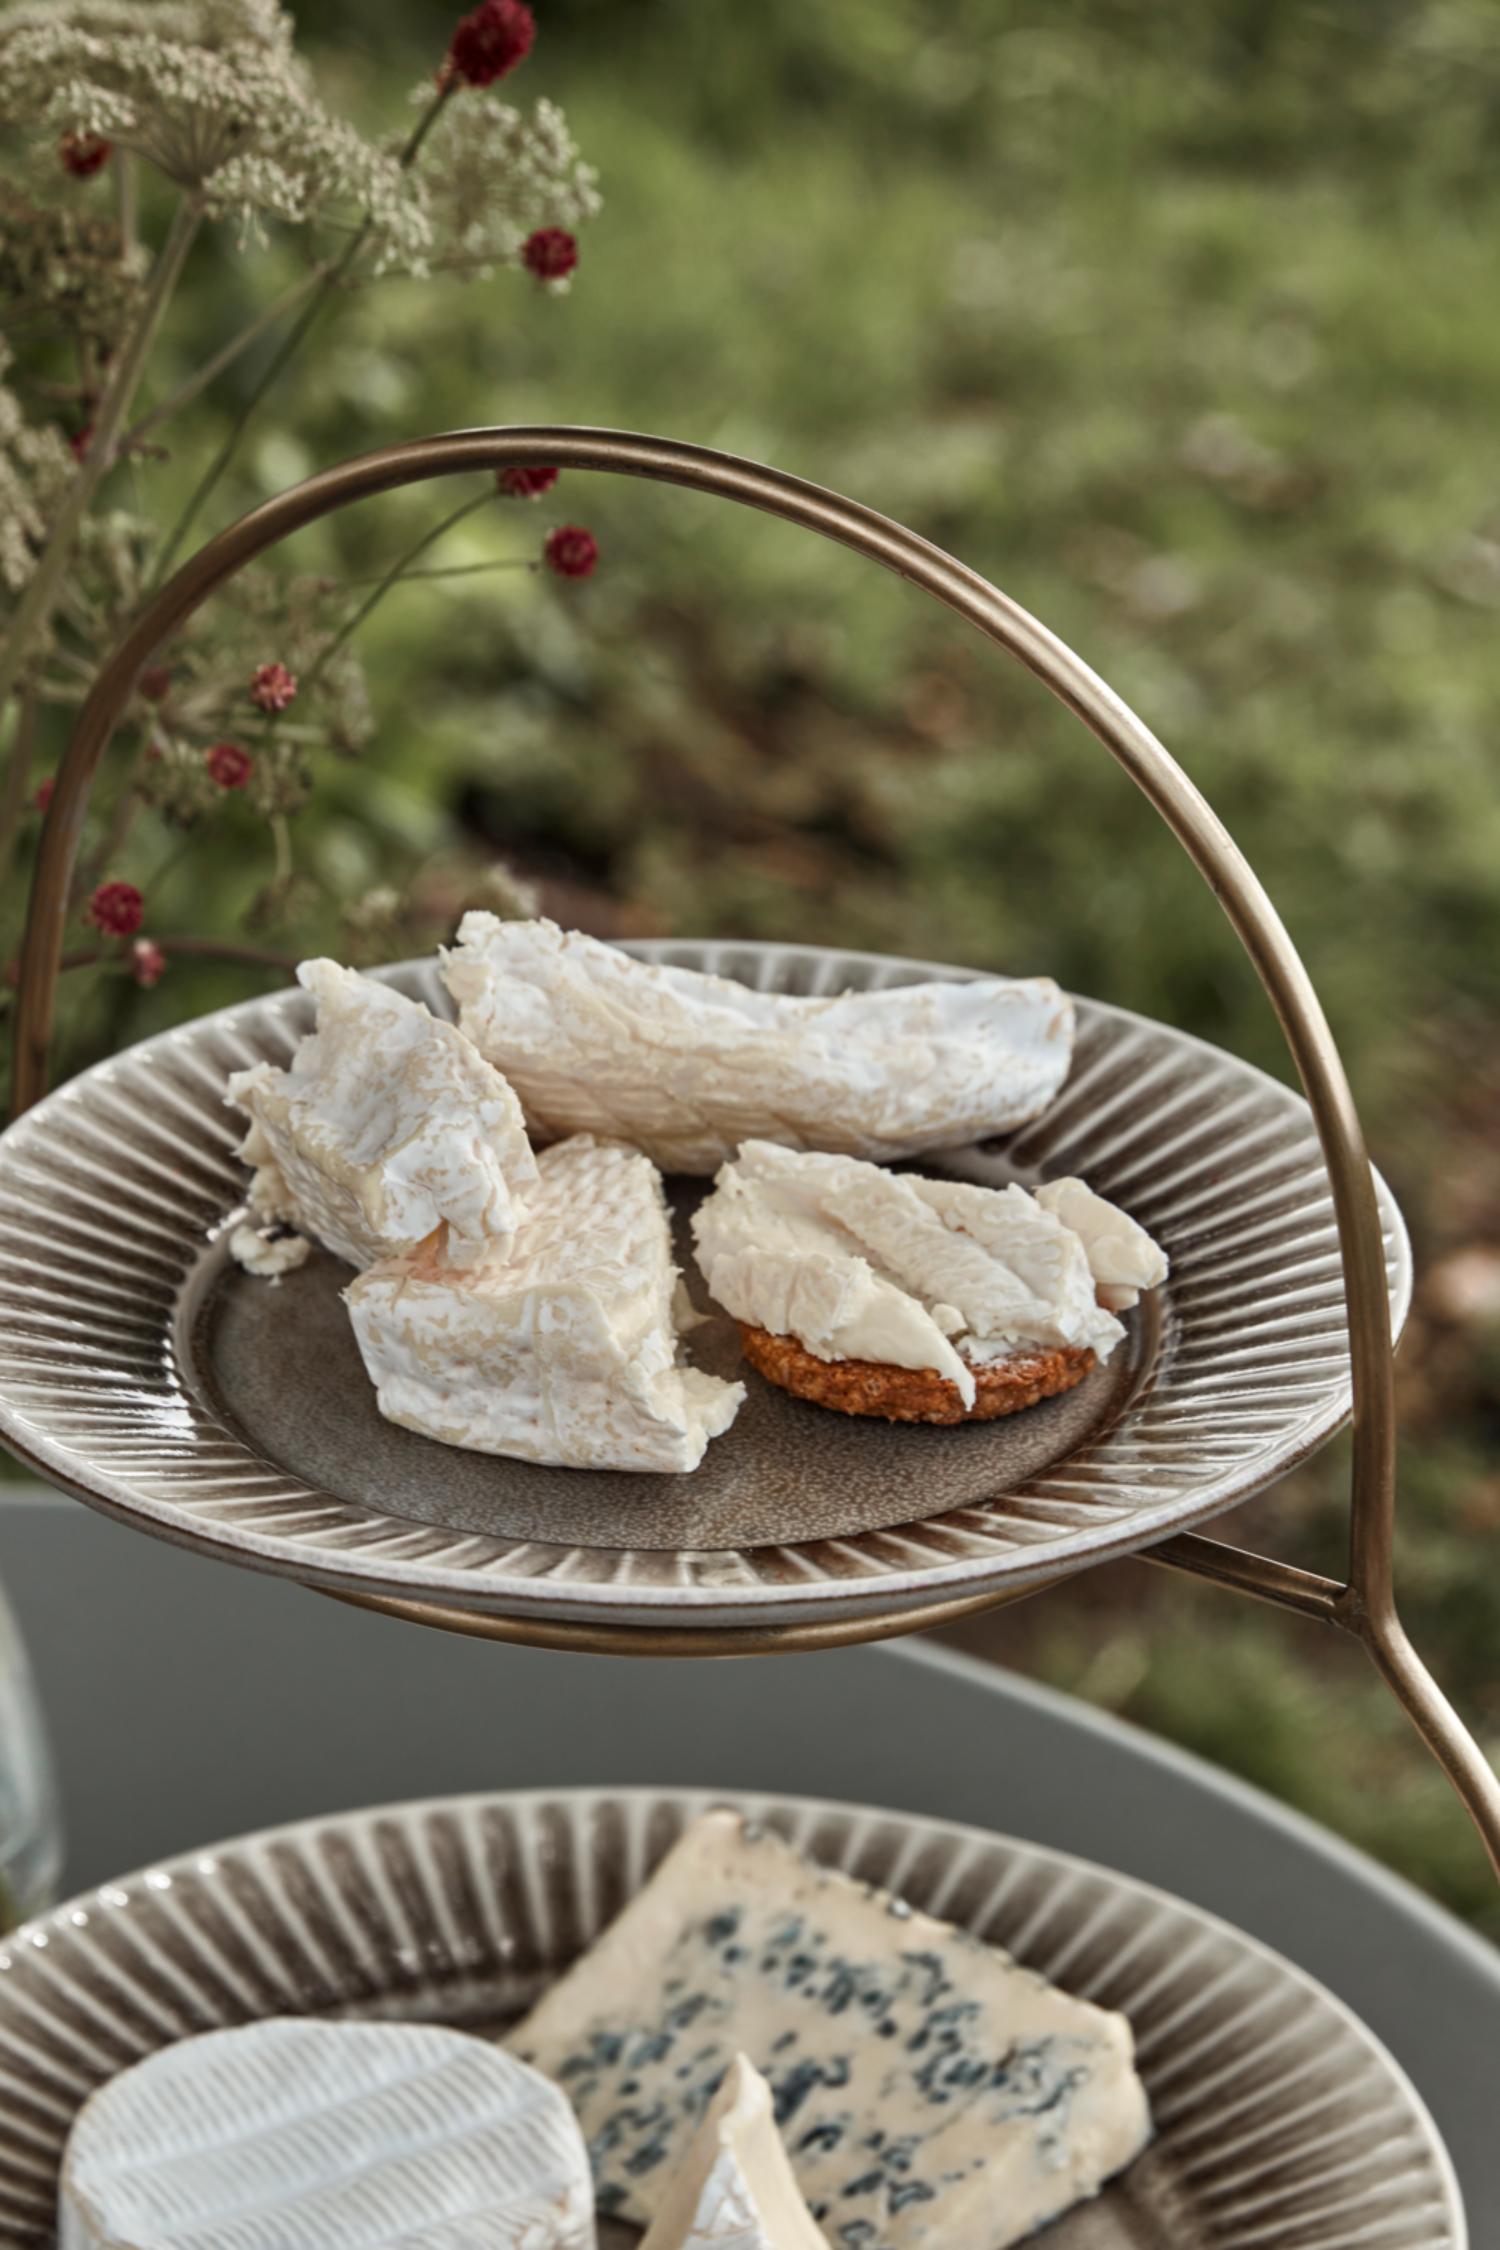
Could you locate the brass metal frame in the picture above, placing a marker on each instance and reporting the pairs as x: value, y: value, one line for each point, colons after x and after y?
x: 1363, y: 1605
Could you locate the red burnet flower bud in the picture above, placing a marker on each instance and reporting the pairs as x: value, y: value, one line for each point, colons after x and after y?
x: 571, y: 551
x: 117, y: 909
x: 80, y: 442
x: 229, y: 765
x: 526, y: 484
x: 84, y: 154
x: 550, y: 253
x: 490, y: 42
x: 155, y: 683
x: 43, y: 797
x: 273, y: 687
x: 147, y: 961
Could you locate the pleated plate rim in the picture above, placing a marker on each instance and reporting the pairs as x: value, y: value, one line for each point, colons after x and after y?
x: 851, y: 1578
x: 554, y: 1829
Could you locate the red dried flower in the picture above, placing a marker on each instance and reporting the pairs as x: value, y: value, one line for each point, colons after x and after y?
x: 526, y: 484
x: 229, y: 765
x: 550, y: 253
x: 571, y: 551
x: 147, y: 961
x: 83, y: 154
x: 490, y: 42
x: 43, y: 797
x: 155, y: 683
x: 117, y: 909
x: 80, y: 441
x: 273, y: 687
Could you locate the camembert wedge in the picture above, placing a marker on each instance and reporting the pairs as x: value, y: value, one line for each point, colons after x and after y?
x: 687, y: 1066
x: 566, y: 1351
x: 931, y: 2093
x: 346, y: 2136
x: 735, y: 2188
x: 386, y: 1126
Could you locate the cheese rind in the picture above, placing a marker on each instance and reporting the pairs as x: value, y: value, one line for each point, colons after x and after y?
x: 930, y: 2092
x: 858, y: 1263
x: 735, y: 2188
x: 565, y: 1352
x: 1122, y: 1257
x: 264, y: 1251
x: 687, y: 1066
x: 386, y: 1125
x: 350, y: 2136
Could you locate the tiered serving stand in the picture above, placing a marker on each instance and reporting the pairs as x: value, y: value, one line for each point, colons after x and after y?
x: 139, y: 1372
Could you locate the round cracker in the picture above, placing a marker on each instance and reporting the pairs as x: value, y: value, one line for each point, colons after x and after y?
x: 914, y: 1394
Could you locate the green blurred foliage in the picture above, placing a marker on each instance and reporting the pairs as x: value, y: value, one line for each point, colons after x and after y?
x: 1180, y: 323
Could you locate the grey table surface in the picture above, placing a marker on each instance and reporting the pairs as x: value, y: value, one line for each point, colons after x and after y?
x: 189, y: 1702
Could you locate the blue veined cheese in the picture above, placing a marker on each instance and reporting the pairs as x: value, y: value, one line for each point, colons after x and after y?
x: 565, y: 1351
x: 858, y: 1263
x: 687, y: 1066
x: 327, y: 2136
x: 931, y: 2093
x: 735, y: 2188
x: 386, y: 1125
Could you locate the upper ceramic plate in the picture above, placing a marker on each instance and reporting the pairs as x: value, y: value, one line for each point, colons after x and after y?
x: 142, y: 1371
x: 1280, y: 2120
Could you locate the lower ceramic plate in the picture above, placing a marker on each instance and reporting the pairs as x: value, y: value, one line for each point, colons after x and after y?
x: 1280, y: 2120
x: 142, y: 1371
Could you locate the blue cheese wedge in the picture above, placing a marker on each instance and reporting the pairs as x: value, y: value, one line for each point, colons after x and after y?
x: 735, y: 2188
x: 858, y: 1263
x: 340, y: 2135
x: 387, y: 1126
x: 687, y: 1066
x: 567, y: 1350
x: 931, y: 2094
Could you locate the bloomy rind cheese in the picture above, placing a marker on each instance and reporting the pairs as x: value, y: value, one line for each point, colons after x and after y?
x: 865, y: 1266
x: 931, y: 2093
x: 687, y: 1066
x: 566, y: 1352
x: 386, y: 1126
x: 346, y: 2136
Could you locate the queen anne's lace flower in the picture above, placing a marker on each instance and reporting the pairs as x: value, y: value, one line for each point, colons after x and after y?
x: 35, y: 471
x: 491, y: 176
x: 213, y: 96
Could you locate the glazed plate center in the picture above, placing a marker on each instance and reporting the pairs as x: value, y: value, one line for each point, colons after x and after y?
x: 279, y: 1363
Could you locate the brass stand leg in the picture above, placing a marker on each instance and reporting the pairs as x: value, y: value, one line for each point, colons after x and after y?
x: 1435, y: 1720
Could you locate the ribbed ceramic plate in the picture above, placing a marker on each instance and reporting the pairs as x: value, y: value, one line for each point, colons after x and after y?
x: 1280, y: 2121
x: 140, y: 1370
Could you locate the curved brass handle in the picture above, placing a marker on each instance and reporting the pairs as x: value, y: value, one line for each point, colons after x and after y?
x: 1365, y: 1606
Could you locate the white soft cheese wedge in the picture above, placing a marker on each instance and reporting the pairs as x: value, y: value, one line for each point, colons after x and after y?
x: 566, y: 1351
x: 735, y: 2188
x: 931, y: 2094
x: 340, y: 2135
x: 687, y: 1066
x: 1122, y: 1257
x: 860, y: 1263
x: 387, y: 1125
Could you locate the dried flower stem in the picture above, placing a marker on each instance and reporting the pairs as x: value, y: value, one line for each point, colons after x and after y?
x: 213, y: 368
x: 400, y: 568
x: 328, y: 280
x: 35, y: 609
x: 17, y: 782
x: 197, y: 949
x: 455, y: 570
